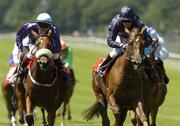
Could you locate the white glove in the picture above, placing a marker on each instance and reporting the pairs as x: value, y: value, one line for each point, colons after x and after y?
x: 33, y: 49
x: 124, y: 46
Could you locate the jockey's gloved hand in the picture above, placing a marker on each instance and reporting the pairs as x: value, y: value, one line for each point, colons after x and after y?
x: 124, y: 46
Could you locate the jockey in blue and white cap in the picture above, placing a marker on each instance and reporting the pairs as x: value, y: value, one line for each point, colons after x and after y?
x: 26, y: 42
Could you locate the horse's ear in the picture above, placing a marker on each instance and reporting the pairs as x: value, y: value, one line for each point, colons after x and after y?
x: 49, y: 33
x: 127, y: 31
x: 142, y: 30
x: 34, y: 34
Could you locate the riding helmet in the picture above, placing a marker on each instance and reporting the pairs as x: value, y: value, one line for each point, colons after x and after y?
x: 127, y: 13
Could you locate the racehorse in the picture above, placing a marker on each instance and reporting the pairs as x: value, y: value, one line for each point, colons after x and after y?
x: 159, y: 96
x: 153, y: 94
x: 8, y: 90
x: 42, y: 86
x: 122, y: 86
x: 66, y: 102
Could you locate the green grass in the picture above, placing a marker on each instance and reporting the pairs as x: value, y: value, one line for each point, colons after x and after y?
x: 83, y: 97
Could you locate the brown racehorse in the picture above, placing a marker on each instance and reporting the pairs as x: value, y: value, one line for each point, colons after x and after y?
x: 159, y: 96
x: 66, y: 103
x: 124, y: 84
x: 154, y: 95
x: 42, y: 87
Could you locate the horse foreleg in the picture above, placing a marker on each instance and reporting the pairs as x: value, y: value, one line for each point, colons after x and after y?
x: 51, y: 117
x: 20, y: 93
x: 134, y: 118
x: 29, y: 112
x: 120, y: 117
x: 44, y: 118
x: 63, y: 114
x: 154, y: 112
x: 69, y: 111
x: 113, y: 105
x: 140, y: 113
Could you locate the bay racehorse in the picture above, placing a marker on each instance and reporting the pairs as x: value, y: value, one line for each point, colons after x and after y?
x: 153, y: 94
x: 65, y: 108
x: 122, y: 87
x: 42, y: 86
x: 66, y: 103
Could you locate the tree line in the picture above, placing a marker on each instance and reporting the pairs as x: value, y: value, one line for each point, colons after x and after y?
x: 83, y: 15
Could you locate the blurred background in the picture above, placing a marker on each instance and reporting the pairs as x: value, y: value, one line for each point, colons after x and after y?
x: 91, y: 17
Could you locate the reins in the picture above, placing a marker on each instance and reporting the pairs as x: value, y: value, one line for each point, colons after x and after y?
x: 42, y: 84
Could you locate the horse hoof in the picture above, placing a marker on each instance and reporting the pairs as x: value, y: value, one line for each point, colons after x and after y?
x: 30, y: 119
x: 21, y: 121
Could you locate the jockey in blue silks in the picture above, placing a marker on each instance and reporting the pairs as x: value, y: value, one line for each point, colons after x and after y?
x: 125, y: 19
x: 26, y: 42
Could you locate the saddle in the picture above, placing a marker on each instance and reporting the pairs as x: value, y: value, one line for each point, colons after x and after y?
x: 108, y: 68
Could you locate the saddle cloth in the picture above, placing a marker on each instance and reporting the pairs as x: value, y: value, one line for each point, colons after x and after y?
x: 98, y: 63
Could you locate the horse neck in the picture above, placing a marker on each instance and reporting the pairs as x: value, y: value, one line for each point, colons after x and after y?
x: 42, y: 76
x: 123, y: 64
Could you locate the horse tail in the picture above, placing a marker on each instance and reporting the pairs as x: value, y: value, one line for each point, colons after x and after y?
x: 91, y: 112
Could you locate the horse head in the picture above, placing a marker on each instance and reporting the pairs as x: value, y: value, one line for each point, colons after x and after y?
x: 135, y: 49
x: 43, y: 54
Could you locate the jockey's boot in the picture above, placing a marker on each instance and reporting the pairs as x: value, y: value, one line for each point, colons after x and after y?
x: 61, y: 71
x: 161, y: 65
x: 23, y: 65
x: 151, y: 71
x: 104, y: 65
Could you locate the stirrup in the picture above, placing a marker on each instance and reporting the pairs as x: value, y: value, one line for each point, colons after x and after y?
x: 100, y: 73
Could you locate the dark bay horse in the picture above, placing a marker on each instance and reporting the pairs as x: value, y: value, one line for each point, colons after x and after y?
x: 159, y: 94
x: 154, y: 95
x: 42, y: 87
x: 65, y: 108
x: 124, y: 84
x: 66, y: 103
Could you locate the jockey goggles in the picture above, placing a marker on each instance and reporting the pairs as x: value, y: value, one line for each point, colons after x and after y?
x: 43, y: 25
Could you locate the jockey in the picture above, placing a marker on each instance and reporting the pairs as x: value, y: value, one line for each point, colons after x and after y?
x: 26, y: 42
x: 125, y: 19
x: 160, y: 52
x: 67, y: 56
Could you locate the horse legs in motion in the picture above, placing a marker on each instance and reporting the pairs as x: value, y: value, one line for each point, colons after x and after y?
x: 44, y: 123
x: 159, y: 99
x: 99, y: 107
x: 8, y: 90
x: 20, y: 93
x: 154, y: 96
x: 66, y: 102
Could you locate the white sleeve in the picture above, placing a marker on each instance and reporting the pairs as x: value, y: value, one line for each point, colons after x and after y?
x: 15, y: 54
x: 160, y: 40
x: 161, y: 52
